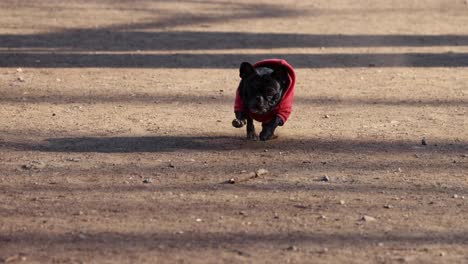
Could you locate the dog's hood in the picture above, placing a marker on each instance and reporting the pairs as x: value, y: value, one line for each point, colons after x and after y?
x: 284, y: 108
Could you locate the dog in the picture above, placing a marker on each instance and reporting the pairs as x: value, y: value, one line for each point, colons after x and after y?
x: 265, y: 94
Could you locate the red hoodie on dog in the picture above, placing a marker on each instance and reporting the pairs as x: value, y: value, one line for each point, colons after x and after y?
x: 284, y: 108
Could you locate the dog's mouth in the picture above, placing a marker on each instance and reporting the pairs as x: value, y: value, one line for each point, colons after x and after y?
x: 259, y: 111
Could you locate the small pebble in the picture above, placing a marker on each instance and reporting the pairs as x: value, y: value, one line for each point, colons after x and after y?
x: 260, y: 172
x: 326, y: 116
x: 342, y: 202
x: 456, y: 196
x: 198, y: 220
x: 147, y: 180
x: 232, y: 181
x: 292, y: 248
x: 388, y: 206
x: 325, y: 178
x: 423, y: 142
x: 324, y: 250
x: 367, y: 218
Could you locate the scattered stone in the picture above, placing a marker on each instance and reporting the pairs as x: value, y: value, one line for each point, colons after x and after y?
x: 250, y: 176
x: 301, y: 206
x: 243, y: 213
x: 171, y: 165
x: 292, y: 248
x: 323, y: 250
x: 325, y: 178
x: 380, y: 244
x: 455, y: 196
x: 82, y: 236
x: 21, y: 79
x: 73, y: 159
x: 322, y: 217
x: 399, y: 170
x: 388, y: 206
x: 367, y: 218
x: 442, y: 254
x: 14, y: 258
x: 198, y: 220
x: 326, y: 116
x: 147, y: 180
x: 79, y: 213
x: 342, y: 202
x: 261, y: 172
x: 423, y: 141
x: 19, y: 70
x: 34, y: 165
x: 276, y: 216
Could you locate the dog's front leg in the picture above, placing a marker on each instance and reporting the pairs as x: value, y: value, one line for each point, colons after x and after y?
x: 251, y: 135
x: 268, y: 129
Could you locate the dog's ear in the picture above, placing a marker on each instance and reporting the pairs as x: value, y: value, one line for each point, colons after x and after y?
x: 246, y: 69
x: 280, y: 74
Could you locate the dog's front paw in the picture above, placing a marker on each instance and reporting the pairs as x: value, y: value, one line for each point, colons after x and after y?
x: 238, y: 123
x: 266, y: 135
x: 252, y: 136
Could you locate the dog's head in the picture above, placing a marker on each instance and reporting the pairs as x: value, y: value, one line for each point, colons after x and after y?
x: 261, y: 89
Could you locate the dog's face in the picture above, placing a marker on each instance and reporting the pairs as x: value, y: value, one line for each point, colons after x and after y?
x: 261, y: 89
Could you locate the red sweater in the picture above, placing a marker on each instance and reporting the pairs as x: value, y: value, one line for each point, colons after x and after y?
x: 284, y: 108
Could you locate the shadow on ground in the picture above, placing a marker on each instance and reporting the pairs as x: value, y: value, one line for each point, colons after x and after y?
x: 197, y: 240
x: 228, y: 61
x: 226, y: 143
x: 227, y: 98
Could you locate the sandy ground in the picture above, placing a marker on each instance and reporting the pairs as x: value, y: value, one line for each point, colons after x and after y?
x: 115, y: 135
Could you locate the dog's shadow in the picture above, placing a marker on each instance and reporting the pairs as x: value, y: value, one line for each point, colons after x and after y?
x: 149, y: 144
x: 232, y: 143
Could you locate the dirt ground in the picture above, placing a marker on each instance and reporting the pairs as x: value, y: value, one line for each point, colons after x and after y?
x: 116, y: 137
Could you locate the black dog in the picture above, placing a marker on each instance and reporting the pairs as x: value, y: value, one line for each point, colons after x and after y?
x: 265, y: 93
